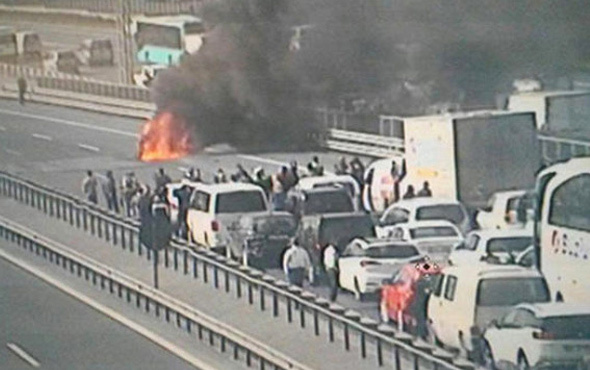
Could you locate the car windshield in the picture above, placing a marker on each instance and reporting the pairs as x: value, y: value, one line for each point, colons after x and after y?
x: 511, y: 291
x: 432, y: 232
x: 328, y: 202
x: 392, y: 251
x: 241, y: 201
x: 567, y: 327
x: 509, y: 245
x: 448, y: 212
x: 337, y: 184
x: 344, y: 229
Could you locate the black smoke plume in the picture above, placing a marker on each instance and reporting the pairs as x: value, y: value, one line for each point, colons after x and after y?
x: 247, y: 87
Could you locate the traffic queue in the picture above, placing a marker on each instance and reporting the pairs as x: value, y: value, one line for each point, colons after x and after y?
x: 464, y: 279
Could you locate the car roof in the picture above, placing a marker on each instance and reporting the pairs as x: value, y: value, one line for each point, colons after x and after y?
x: 312, y: 180
x: 510, y: 193
x: 427, y: 223
x: 376, y: 242
x: 502, y: 233
x: 324, y: 190
x: 491, y: 271
x: 552, y: 309
x: 225, y: 187
x: 422, y: 201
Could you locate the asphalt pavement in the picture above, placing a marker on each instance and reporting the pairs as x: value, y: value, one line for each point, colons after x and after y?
x: 42, y: 327
x: 50, y: 145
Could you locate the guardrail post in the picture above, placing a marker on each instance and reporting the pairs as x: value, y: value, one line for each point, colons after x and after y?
x: 289, y: 310
x: 238, y: 287
x: 275, y: 304
x: 346, y: 338
x: 195, y: 268
x: 185, y: 261
x: 99, y: 223
x: 316, y: 326
x: 215, y: 276
x: 226, y: 280
x: 123, y: 241
x: 302, y: 315
x: 330, y: 329
x: 205, y: 276
x: 131, y: 241
x: 250, y: 294
x: 92, y: 224
x: 176, y: 260
x: 380, y: 353
x: 166, y: 259
x: 107, y: 234
x: 262, y: 303
x: 363, y: 345
x: 115, y: 241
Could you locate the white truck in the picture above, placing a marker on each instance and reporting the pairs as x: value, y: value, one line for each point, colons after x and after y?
x: 467, y: 156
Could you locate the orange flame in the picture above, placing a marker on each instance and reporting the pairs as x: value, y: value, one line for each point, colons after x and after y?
x: 164, y: 137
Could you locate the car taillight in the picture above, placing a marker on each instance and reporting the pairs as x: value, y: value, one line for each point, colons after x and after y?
x: 543, y: 335
x: 369, y: 263
x: 214, y: 225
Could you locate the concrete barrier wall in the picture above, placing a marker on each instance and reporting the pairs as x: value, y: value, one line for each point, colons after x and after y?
x: 94, y: 87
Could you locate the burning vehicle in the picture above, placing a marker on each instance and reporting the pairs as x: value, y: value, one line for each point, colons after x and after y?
x: 165, y: 137
x: 260, y: 240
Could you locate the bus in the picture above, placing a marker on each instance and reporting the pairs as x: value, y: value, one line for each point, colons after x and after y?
x: 19, y: 46
x: 562, y: 229
x: 165, y: 39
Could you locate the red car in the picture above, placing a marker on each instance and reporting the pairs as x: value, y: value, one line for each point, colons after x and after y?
x: 402, y: 295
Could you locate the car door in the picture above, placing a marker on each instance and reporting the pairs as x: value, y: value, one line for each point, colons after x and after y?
x: 198, y: 218
x: 510, y: 334
x: 465, y: 253
x: 349, y: 265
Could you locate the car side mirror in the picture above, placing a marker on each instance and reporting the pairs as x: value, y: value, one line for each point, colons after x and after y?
x: 459, y: 246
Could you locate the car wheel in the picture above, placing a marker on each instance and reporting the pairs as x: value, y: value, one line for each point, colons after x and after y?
x: 383, y: 312
x: 357, y: 290
x: 487, y: 357
x: 522, y: 362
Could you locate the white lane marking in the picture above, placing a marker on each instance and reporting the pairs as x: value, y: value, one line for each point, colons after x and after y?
x: 23, y: 354
x: 89, y: 147
x: 2, y: 128
x: 42, y: 137
x: 169, y: 346
x: 13, y: 152
x: 272, y: 161
x: 70, y: 123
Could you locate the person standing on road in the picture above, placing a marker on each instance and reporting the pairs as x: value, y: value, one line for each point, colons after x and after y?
x: 315, y: 168
x: 296, y: 263
x: 220, y: 177
x: 341, y: 168
x: 425, y: 191
x: 357, y: 170
x: 331, y: 267
x: 161, y: 179
x: 109, y: 190
x: 129, y: 186
x: 183, y: 194
x: 90, y: 187
x: 279, y: 189
x: 22, y: 89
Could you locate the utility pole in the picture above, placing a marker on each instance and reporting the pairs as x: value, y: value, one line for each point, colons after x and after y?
x: 123, y: 24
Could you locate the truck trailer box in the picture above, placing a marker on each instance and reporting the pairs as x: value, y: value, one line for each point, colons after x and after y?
x: 470, y: 155
x: 562, y: 112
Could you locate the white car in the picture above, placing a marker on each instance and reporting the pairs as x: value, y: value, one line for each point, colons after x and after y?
x: 504, y: 245
x: 436, y: 239
x: 424, y: 209
x: 338, y: 181
x: 553, y: 335
x: 365, y: 263
x: 467, y: 298
x: 502, y: 211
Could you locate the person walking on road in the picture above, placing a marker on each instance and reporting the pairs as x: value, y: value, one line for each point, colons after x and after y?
x: 90, y: 187
x: 109, y: 190
x: 331, y: 267
x: 220, y: 177
x: 22, y: 89
x: 161, y: 179
x: 296, y: 263
x: 425, y: 191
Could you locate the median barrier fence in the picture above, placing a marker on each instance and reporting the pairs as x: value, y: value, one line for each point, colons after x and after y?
x: 385, y: 345
x: 144, y: 297
x: 95, y: 87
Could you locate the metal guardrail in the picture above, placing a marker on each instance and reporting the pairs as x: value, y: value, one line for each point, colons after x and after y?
x: 365, y: 144
x: 95, y: 87
x: 126, y: 288
x: 387, y: 344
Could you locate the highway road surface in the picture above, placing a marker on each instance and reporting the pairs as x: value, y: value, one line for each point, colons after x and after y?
x: 42, y: 327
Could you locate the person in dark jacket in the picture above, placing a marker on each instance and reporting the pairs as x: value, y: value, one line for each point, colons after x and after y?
x: 425, y: 191
x: 110, y: 192
x: 183, y: 194
x: 161, y: 179
x: 409, y: 193
x: 22, y: 89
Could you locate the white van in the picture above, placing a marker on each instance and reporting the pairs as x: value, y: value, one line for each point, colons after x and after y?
x: 214, y: 206
x: 467, y: 298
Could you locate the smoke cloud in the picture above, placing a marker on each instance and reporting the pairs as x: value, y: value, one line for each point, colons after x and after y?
x: 247, y: 87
